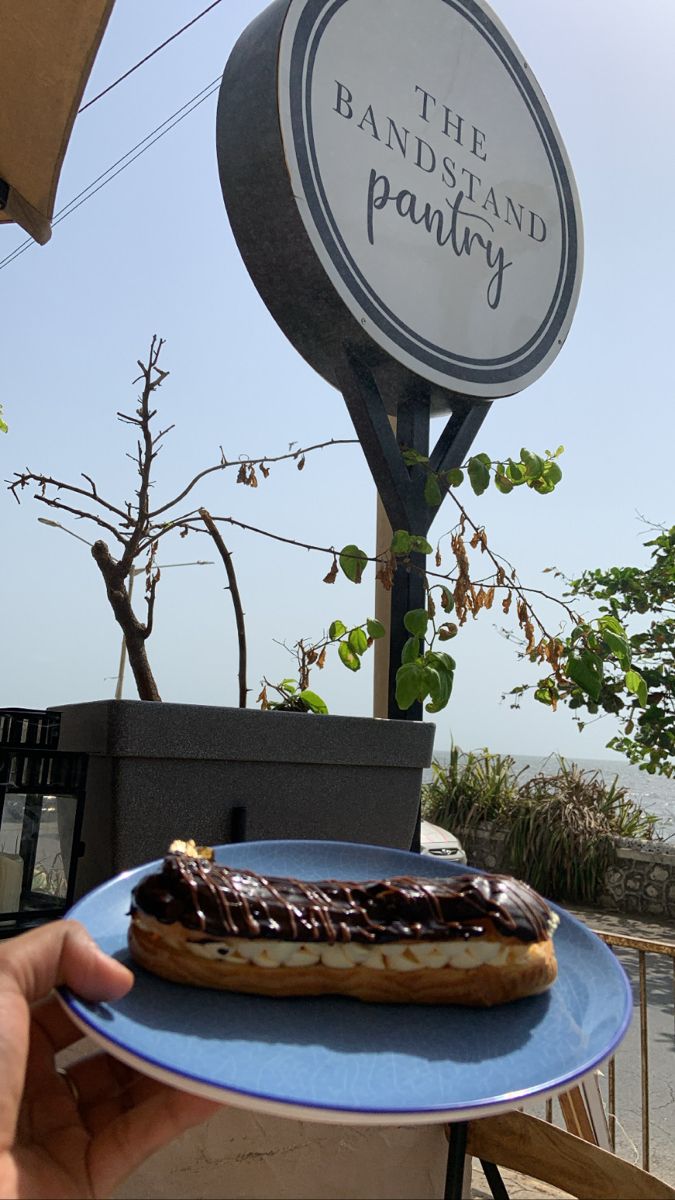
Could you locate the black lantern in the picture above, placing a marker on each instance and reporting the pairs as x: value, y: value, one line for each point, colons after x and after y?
x: 41, y: 807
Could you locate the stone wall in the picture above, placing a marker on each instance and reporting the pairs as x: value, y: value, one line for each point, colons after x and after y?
x: 641, y: 880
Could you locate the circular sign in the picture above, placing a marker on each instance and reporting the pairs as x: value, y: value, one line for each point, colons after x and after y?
x: 432, y: 185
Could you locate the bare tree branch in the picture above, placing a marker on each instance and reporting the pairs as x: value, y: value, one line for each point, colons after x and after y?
x: 236, y: 600
x: 153, y: 378
x: 25, y: 478
x: 53, y: 502
x: 150, y: 598
x: 134, y: 632
x: 248, y: 462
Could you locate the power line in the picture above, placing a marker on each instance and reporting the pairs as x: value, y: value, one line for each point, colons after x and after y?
x: 131, y: 160
x: 147, y: 58
x: 121, y: 164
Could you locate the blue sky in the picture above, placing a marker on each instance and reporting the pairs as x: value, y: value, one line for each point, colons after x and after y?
x: 153, y: 253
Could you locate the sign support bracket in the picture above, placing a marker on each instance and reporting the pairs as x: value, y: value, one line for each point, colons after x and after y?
x: 401, y: 488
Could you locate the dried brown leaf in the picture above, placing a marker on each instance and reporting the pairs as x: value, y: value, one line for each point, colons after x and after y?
x: 332, y: 574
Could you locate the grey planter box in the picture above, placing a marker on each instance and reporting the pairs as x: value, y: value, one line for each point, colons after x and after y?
x: 162, y: 771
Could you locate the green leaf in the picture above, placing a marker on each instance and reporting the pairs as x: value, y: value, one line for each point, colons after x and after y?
x: 455, y: 477
x: 353, y: 562
x: 619, y: 648
x: 409, y: 684
x: 437, y: 705
x: 637, y: 686
x: 516, y: 472
x: 411, y: 650
x: 432, y: 492
x: 337, y: 630
x: 533, y: 463
x: 612, y: 624
x: 479, y: 475
x: 313, y: 702
x: 3, y: 424
x: 358, y: 641
x: 400, y: 543
x: 375, y: 628
x: 441, y: 660
x: 420, y: 544
x: 289, y: 685
x: 432, y: 679
x: 586, y: 671
x: 552, y: 473
x: 348, y: 657
x: 503, y: 483
x: 416, y: 621
x: 413, y: 458
x: 440, y: 687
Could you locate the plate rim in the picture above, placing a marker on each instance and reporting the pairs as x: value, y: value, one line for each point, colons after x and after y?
x: 262, y: 1102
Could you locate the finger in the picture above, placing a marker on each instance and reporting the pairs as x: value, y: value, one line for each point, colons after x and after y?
x: 55, y: 1027
x: 128, y: 1140
x: 100, y: 1076
x: 62, y: 953
x: 105, y: 1088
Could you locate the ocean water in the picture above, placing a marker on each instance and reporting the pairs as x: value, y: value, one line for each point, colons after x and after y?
x: 654, y: 793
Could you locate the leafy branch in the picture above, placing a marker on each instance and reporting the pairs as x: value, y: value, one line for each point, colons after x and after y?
x: 426, y: 672
x: 620, y: 667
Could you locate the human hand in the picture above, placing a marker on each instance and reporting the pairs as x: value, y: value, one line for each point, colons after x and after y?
x: 78, y: 1134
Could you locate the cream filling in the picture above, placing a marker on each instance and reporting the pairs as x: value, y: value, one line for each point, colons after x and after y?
x: 396, y: 956
x: 393, y: 956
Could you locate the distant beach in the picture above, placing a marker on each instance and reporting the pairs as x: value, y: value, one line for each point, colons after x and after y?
x: 654, y: 793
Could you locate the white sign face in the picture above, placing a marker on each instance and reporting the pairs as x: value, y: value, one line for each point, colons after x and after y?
x: 433, y: 184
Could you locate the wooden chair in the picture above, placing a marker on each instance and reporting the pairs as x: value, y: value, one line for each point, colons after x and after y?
x: 533, y: 1147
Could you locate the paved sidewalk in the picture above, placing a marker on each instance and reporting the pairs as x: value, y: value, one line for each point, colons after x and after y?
x: 518, y: 1186
x: 633, y: 926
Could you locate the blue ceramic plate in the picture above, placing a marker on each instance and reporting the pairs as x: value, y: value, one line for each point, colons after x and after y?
x: 337, y: 1059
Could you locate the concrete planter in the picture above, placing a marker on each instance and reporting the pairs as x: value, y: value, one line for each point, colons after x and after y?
x: 161, y: 771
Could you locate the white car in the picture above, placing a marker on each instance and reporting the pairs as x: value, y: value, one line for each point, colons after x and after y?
x: 441, y: 844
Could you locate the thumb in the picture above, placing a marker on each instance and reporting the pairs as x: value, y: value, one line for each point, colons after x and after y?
x: 61, y: 953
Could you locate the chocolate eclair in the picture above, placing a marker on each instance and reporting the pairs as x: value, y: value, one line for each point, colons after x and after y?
x: 475, y: 939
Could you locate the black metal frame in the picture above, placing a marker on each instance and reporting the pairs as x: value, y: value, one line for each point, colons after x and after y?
x: 457, y: 1134
x: 401, y: 488
x: 30, y: 765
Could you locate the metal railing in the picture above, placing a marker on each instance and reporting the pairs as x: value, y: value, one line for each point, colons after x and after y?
x: 641, y: 947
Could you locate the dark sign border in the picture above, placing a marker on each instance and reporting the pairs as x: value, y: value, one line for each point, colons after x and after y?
x: 494, y: 371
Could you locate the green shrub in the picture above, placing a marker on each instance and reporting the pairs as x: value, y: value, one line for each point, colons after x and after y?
x: 560, y: 825
x: 473, y: 788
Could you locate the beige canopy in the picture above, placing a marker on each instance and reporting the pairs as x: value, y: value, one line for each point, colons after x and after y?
x: 47, y: 49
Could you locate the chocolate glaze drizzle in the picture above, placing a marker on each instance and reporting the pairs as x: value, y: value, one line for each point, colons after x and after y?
x: 220, y: 902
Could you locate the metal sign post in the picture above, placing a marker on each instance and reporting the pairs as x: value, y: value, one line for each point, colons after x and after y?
x: 401, y: 488
x: 404, y: 204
